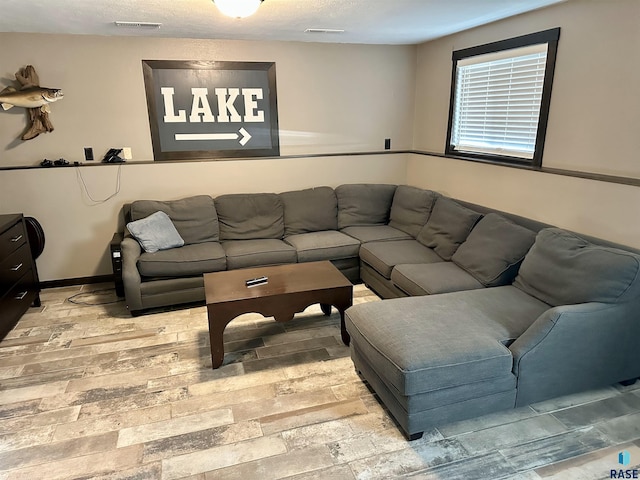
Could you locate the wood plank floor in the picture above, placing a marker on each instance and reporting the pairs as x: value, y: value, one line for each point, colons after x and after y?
x: 88, y: 392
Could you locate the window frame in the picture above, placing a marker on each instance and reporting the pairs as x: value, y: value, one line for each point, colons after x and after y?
x: 549, y: 37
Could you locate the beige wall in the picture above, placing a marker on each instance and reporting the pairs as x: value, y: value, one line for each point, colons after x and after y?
x: 601, y: 209
x: 594, y: 122
x: 331, y: 99
x: 594, y: 116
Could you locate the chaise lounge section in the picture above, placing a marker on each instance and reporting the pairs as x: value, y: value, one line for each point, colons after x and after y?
x: 563, y: 326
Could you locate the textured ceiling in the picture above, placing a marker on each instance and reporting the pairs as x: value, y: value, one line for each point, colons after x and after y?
x: 364, y: 21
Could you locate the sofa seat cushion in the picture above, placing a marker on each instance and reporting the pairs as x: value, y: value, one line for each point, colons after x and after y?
x: 563, y: 269
x: 329, y: 245
x: 252, y: 253
x: 461, y: 393
x: 444, y: 397
x: 250, y: 216
x: 494, y: 250
x: 417, y: 355
x: 185, y: 261
x: 310, y: 210
x: 432, y: 278
x: 424, y: 411
x: 448, y: 226
x: 364, y: 204
x: 376, y: 233
x: 173, y: 287
x: 411, y: 208
x: 195, y: 217
x: 422, y: 344
x: 383, y: 256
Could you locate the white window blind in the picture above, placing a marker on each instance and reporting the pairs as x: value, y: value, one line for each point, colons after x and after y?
x: 497, y: 102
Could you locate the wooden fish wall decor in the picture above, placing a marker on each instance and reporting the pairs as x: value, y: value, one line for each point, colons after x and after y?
x: 34, y: 97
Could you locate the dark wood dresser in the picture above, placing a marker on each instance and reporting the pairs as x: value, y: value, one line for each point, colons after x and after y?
x: 19, y: 284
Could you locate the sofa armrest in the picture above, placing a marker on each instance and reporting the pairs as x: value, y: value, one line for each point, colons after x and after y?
x: 131, y: 251
x: 571, y: 348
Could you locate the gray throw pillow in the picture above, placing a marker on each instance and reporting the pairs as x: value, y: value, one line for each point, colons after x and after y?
x: 494, y: 250
x: 411, y: 208
x: 364, y: 204
x: 448, y: 226
x: 195, y: 217
x: 310, y: 210
x: 563, y: 269
x: 155, y: 232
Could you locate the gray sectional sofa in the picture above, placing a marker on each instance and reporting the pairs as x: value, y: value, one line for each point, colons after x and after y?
x: 484, y: 310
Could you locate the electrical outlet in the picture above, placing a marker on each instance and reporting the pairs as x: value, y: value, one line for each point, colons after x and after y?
x: 387, y: 144
x: 126, y: 153
x: 88, y: 154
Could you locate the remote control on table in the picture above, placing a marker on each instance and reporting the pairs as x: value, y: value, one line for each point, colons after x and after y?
x: 256, y: 281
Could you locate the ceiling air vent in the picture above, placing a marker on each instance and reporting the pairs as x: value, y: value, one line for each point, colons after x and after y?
x: 138, y: 24
x: 323, y: 30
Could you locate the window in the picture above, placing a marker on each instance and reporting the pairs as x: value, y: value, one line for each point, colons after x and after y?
x: 500, y: 96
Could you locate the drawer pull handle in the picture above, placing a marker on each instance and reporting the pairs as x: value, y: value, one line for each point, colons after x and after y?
x: 20, y: 296
x: 16, y: 239
x: 16, y: 268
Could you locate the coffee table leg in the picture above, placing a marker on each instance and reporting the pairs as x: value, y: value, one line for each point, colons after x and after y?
x: 218, y: 321
x: 217, y: 347
x: 326, y: 308
x: 343, y: 301
x: 346, y: 338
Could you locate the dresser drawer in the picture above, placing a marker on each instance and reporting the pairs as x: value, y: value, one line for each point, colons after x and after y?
x: 11, y: 239
x: 19, y: 285
x: 16, y: 302
x: 14, y: 266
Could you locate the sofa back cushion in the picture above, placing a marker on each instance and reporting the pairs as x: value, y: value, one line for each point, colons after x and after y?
x: 195, y: 218
x: 249, y: 216
x: 364, y: 204
x: 310, y: 210
x: 494, y: 250
x: 563, y: 269
x: 411, y: 208
x: 448, y: 226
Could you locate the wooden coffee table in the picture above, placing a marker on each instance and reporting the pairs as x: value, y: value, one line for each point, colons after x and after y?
x: 290, y: 289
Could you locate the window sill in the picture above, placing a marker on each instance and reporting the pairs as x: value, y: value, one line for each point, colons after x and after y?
x: 635, y: 182
x: 494, y: 160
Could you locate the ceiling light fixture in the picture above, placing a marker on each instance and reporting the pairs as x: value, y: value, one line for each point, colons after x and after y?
x: 238, y: 8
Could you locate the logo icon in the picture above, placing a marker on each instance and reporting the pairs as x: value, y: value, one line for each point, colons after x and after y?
x: 624, y: 458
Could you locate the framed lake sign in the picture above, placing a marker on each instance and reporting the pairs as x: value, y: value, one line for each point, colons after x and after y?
x: 207, y: 109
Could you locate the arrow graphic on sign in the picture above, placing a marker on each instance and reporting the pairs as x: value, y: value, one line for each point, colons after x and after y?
x: 242, y: 134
